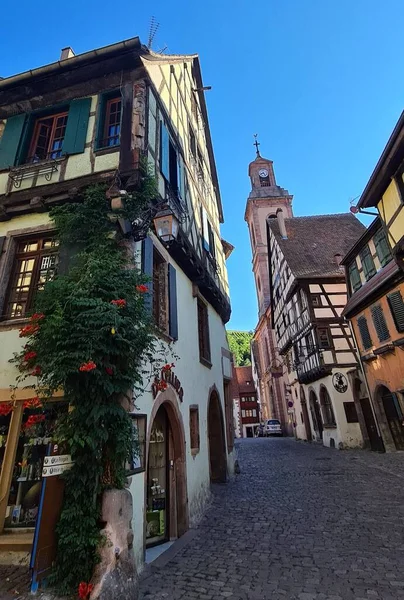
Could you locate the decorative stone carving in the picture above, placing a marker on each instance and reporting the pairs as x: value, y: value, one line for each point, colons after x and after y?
x: 116, y: 575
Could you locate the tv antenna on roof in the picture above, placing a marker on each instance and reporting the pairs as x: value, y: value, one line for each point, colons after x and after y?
x: 152, y: 31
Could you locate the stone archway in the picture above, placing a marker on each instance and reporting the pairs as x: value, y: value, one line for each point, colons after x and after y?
x: 178, y: 494
x: 216, y: 439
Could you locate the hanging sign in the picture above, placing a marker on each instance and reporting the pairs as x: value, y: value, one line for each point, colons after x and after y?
x: 52, y: 471
x: 169, y: 377
x: 52, y: 461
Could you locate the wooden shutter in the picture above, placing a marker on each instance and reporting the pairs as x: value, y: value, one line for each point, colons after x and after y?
x: 382, y: 247
x: 147, y: 268
x: 364, y: 333
x: 380, y: 323
x: 172, y: 299
x: 164, y: 151
x: 205, y: 229
x: 396, y: 304
x: 77, y: 125
x: 354, y: 276
x: 367, y: 262
x: 10, y: 140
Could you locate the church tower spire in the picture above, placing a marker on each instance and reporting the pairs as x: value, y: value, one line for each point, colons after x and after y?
x: 265, y: 200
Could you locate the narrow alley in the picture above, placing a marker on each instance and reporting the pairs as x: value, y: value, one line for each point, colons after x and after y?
x: 300, y: 522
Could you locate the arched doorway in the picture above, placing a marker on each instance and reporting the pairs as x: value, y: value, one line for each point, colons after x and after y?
x: 216, y: 440
x: 326, y: 407
x: 166, y: 487
x: 362, y: 399
x: 316, y: 416
x: 393, y: 414
x: 305, y: 412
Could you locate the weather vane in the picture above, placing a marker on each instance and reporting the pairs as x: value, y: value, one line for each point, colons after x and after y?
x: 257, y: 144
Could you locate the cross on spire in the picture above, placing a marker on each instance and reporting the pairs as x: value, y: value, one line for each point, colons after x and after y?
x: 257, y: 144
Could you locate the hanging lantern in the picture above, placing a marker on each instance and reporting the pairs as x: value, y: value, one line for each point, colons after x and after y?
x: 166, y: 225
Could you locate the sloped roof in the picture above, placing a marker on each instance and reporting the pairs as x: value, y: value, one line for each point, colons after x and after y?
x: 240, y: 377
x: 313, y: 242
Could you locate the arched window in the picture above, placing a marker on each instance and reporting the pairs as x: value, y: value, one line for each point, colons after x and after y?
x: 326, y: 407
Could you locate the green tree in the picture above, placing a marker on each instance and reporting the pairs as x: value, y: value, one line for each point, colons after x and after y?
x: 240, y: 346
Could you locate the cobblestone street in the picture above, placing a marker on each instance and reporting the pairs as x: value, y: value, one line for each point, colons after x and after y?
x: 300, y: 522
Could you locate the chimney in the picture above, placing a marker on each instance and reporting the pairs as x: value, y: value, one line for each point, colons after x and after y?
x: 67, y: 53
x: 337, y: 259
x: 281, y: 223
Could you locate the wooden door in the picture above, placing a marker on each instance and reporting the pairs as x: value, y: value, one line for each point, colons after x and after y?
x: 306, y: 420
x: 375, y: 440
x: 394, y: 418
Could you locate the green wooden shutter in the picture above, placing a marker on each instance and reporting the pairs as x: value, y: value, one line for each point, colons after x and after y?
x: 396, y: 304
x: 382, y: 247
x: 354, y: 276
x: 10, y: 140
x: 147, y: 268
x: 369, y: 268
x: 364, y: 333
x: 172, y: 298
x: 164, y: 151
x: 380, y: 323
x: 77, y: 125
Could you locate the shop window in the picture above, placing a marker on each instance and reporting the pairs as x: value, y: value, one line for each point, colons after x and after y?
x: 364, y: 333
x: 396, y: 305
x: 203, y: 332
x: 157, y: 481
x: 194, y: 428
x: 368, y: 265
x: 350, y: 412
x: 380, y: 324
x: 382, y: 247
x: 324, y: 338
x: 34, y: 264
x: 327, y: 409
x: 137, y: 462
x: 354, y: 276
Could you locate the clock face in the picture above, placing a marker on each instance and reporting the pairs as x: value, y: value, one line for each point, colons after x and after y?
x: 263, y: 173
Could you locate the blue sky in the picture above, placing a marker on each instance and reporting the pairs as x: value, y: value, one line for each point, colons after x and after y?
x: 320, y: 82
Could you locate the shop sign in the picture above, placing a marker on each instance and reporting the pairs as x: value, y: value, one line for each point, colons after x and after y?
x: 172, y: 379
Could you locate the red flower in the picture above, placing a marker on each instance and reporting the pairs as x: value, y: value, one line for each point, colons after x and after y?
x: 85, y: 590
x: 32, y: 403
x: 5, y: 409
x: 34, y: 420
x: 142, y: 288
x: 29, y: 355
x: 109, y: 370
x: 88, y: 366
x: 29, y: 330
x: 37, y: 316
x: 37, y: 371
x: 119, y: 303
x: 161, y: 385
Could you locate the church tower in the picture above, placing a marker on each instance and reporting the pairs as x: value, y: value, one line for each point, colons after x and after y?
x: 266, y: 199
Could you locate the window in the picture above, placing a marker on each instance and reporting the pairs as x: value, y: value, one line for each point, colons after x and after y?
x: 35, y: 264
x: 243, y: 413
x: 354, y: 276
x: 324, y: 340
x: 396, y: 305
x: 194, y: 428
x: 203, y: 332
x: 326, y: 406
x: 137, y: 462
x: 380, y: 323
x: 364, y: 333
x: 161, y: 298
x: 171, y: 164
x: 382, y: 247
x: 112, y: 122
x: 316, y: 299
x: 368, y: 265
x: 309, y: 344
x: 48, y: 137
x: 212, y: 246
x: 350, y: 412
x: 248, y: 399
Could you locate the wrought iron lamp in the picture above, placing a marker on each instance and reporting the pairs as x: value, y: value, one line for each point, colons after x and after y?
x: 166, y: 225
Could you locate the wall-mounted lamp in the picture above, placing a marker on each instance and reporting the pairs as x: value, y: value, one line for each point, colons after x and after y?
x: 166, y: 225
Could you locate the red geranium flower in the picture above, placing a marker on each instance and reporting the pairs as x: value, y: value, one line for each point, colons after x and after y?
x: 34, y: 420
x: 109, y: 370
x: 142, y: 288
x: 29, y: 330
x: 88, y: 366
x: 37, y: 371
x: 119, y: 303
x: 37, y: 316
x: 85, y: 590
x: 29, y: 355
x: 5, y: 409
x: 32, y: 403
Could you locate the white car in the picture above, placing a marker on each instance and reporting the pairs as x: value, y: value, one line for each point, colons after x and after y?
x: 273, y: 427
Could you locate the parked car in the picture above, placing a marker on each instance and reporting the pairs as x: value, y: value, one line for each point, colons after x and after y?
x: 273, y: 427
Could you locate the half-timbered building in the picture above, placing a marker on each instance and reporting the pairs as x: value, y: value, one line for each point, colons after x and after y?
x: 92, y: 118
x: 308, y: 295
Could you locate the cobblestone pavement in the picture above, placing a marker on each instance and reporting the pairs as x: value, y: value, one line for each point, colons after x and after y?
x: 300, y: 522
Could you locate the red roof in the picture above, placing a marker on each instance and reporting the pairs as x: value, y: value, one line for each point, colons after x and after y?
x: 243, y: 382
